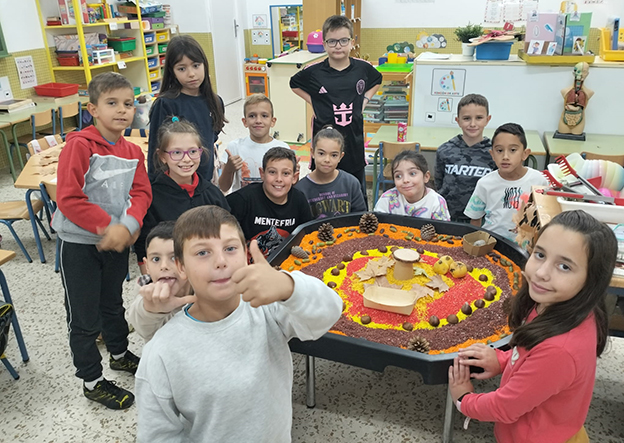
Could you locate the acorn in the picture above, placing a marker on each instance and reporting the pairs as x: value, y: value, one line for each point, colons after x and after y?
x: 452, y: 319
x: 365, y: 319
x: 480, y: 303
x: 466, y: 309
x: 434, y: 321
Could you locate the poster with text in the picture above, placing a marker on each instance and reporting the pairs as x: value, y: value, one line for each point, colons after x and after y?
x: 26, y: 72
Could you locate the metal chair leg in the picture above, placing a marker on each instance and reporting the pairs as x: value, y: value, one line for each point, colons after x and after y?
x: 33, y: 222
x: 14, y: 322
x: 9, y: 225
x: 10, y: 368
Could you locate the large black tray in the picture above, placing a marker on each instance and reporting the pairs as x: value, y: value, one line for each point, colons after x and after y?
x: 376, y: 356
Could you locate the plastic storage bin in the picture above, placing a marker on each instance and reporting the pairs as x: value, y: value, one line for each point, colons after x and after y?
x: 122, y: 44
x: 57, y: 89
x: 494, y: 51
x: 149, y: 38
x: 606, y: 53
x: 149, y: 50
x: 152, y: 62
x: 162, y: 36
x: 162, y: 48
x: 154, y: 74
x: 68, y: 59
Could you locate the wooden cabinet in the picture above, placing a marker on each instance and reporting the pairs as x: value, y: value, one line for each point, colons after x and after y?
x: 391, y: 81
x: 317, y: 11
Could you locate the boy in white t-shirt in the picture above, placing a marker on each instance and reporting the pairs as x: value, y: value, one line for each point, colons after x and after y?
x: 497, y: 195
x: 243, y: 157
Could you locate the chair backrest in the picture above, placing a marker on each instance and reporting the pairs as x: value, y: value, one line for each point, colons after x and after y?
x: 50, y: 188
x: 42, y: 118
x: 136, y: 133
x: 70, y: 110
x: 41, y: 144
x: 392, y: 149
x: 619, y: 159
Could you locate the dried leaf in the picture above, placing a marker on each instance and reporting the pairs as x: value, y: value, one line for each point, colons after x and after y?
x: 420, y: 271
x: 421, y: 291
x: 384, y: 283
x: 437, y: 283
x: 365, y: 274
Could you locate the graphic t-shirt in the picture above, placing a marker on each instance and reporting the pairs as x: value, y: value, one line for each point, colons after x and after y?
x: 341, y: 196
x: 337, y: 99
x: 498, y: 199
x: 432, y: 205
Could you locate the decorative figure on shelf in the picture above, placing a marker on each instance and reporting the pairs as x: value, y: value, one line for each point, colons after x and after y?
x: 575, y: 98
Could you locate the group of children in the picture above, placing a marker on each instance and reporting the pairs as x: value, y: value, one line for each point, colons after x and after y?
x: 232, y: 377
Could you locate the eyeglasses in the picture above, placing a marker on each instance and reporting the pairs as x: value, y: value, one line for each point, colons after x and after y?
x: 178, y: 154
x: 332, y: 42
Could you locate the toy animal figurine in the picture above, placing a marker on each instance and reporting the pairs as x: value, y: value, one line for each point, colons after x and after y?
x: 575, y: 101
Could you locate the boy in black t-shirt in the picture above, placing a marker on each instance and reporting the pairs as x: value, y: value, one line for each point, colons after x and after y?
x: 338, y: 88
x: 274, y: 203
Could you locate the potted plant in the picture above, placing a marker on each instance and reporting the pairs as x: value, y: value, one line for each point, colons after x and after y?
x: 465, y: 33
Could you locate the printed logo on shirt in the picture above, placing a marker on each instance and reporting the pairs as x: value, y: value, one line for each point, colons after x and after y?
x: 467, y: 170
x: 343, y: 114
x: 359, y: 87
x: 266, y: 221
x: 511, y: 199
x: 322, y: 90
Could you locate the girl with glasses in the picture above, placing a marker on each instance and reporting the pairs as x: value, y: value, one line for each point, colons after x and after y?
x: 176, y: 185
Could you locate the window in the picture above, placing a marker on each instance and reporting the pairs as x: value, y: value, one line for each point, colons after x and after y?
x: 3, y: 48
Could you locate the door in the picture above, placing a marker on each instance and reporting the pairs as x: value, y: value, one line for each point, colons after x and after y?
x: 227, y: 39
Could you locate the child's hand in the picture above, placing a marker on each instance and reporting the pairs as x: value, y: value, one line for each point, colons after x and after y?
x: 114, y: 237
x: 234, y: 161
x: 259, y: 283
x: 459, y: 380
x: 157, y: 298
x: 484, y: 357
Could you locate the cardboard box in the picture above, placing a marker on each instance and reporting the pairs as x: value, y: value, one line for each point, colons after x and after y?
x: 470, y: 239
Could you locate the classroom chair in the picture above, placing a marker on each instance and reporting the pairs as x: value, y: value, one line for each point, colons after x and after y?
x: 6, y: 256
x: 67, y: 111
x: 41, y: 144
x: 37, y: 120
x: 129, y: 132
x: 619, y: 159
x: 12, y: 211
x: 383, y: 157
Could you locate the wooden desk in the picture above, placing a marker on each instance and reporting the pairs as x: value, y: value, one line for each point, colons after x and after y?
x: 600, y: 144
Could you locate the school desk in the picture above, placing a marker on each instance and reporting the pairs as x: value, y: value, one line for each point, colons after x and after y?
x: 599, y: 144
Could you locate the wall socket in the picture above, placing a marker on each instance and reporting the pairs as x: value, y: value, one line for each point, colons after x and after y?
x: 430, y: 116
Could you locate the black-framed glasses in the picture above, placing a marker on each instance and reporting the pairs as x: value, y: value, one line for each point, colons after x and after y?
x: 178, y: 154
x: 332, y: 42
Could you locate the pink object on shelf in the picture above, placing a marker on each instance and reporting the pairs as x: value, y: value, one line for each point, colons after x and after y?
x: 401, y: 132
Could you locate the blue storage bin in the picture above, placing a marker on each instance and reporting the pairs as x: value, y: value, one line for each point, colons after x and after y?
x: 152, y: 62
x: 150, y: 38
x: 494, y: 50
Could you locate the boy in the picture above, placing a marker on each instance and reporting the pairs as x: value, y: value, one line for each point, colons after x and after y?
x: 274, y: 203
x: 103, y: 193
x: 221, y: 370
x: 243, y: 157
x: 464, y: 159
x: 338, y: 88
x: 497, y: 195
x: 162, y: 292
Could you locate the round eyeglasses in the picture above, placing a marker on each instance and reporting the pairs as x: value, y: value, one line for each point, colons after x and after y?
x: 178, y: 154
x: 332, y: 42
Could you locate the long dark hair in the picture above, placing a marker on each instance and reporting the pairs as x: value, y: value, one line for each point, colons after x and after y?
x: 559, y: 318
x: 185, y: 45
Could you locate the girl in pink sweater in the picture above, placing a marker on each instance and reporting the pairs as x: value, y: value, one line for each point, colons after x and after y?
x: 559, y: 325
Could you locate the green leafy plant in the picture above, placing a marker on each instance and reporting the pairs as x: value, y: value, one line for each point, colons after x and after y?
x: 464, y: 34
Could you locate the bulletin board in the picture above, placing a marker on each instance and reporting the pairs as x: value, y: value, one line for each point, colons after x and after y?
x: 517, y: 92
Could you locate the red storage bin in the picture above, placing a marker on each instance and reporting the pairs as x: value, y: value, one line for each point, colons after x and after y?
x: 57, y: 89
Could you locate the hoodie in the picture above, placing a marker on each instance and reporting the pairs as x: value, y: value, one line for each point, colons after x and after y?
x: 170, y: 201
x: 458, y: 169
x: 99, y: 184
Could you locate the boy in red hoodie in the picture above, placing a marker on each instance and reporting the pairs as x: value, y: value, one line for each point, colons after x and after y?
x: 103, y: 193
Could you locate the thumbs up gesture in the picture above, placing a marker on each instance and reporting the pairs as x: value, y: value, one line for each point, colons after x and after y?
x: 234, y: 161
x: 259, y: 283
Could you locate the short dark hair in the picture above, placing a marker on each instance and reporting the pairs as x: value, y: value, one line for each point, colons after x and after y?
x: 336, y: 22
x: 279, y: 153
x: 513, y: 129
x: 202, y: 222
x: 329, y: 132
x: 411, y: 156
x: 171, y: 126
x: 105, y: 82
x: 254, y: 99
x: 163, y: 231
x: 473, y: 99
x: 558, y: 318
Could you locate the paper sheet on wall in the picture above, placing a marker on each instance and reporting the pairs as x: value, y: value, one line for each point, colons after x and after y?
x: 512, y: 11
x: 493, y: 11
x: 528, y: 6
x: 26, y: 72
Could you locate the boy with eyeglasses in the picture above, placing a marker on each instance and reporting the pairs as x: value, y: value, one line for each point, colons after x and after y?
x: 338, y: 88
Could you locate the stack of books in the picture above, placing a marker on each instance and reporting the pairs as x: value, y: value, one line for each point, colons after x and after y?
x: 396, y: 105
x: 16, y: 105
x: 373, y: 112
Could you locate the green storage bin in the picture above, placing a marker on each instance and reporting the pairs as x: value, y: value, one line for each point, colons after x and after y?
x: 155, y: 14
x: 158, y: 25
x: 122, y: 44
x: 149, y: 50
x: 162, y: 48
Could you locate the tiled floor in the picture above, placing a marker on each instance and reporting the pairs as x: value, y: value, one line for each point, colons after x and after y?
x: 46, y: 403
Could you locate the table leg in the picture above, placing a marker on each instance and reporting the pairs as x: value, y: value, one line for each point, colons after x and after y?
x: 14, y: 322
x: 33, y: 222
x: 17, y: 146
x: 5, y: 140
x: 449, y: 413
x: 310, y: 382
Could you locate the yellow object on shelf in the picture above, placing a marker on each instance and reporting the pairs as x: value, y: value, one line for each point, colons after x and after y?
x: 606, y: 54
x: 555, y: 59
x: 393, y: 57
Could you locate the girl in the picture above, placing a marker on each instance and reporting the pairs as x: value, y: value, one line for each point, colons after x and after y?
x: 559, y: 325
x: 187, y: 93
x: 411, y: 196
x: 176, y: 185
x: 330, y: 191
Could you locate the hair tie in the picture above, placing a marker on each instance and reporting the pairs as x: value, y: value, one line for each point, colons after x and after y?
x: 175, y: 119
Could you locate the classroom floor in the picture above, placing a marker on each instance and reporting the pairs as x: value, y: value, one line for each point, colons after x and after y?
x: 46, y: 404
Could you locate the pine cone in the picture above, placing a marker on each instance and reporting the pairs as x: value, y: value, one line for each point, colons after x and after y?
x: 427, y: 232
x: 299, y: 252
x: 368, y: 223
x: 326, y: 232
x: 418, y: 344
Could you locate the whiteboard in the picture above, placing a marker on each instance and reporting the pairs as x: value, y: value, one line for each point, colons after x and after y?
x: 526, y: 94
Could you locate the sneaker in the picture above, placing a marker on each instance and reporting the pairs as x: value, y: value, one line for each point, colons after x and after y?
x: 128, y: 363
x: 110, y: 395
